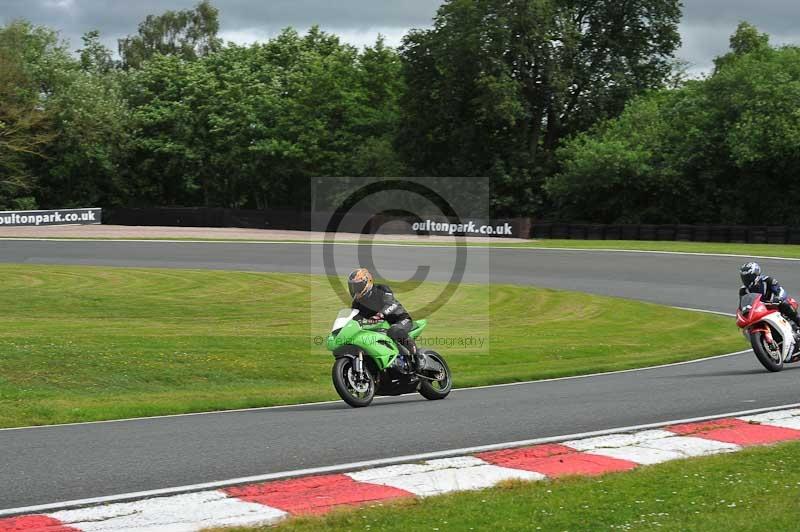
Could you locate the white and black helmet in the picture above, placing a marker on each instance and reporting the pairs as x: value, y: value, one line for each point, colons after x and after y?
x: 751, y: 273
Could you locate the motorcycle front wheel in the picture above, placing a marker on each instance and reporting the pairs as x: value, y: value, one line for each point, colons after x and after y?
x: 772, y: 359
x: 354, y: 389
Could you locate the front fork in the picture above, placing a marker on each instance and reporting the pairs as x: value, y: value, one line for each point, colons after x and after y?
x: 766, y: 331
x: 359, y: 365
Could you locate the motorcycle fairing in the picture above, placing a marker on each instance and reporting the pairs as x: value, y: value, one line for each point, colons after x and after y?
x: 784, y: 328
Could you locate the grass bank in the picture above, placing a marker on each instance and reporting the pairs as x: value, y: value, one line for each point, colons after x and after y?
x: 91, y: 343
x: 752, y: 490
x: 745, y: 250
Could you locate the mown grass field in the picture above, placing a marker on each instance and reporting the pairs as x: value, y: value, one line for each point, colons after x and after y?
x: 746, y: 250
x: 90, y: 343
x: 753, y: 490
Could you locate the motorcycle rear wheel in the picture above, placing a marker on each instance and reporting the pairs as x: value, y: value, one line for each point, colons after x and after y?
x: 771, y: 360
x: 347, y: 383
x: 439, y: 389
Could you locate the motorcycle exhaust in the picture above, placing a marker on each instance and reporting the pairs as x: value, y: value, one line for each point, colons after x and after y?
x: 426, y: 363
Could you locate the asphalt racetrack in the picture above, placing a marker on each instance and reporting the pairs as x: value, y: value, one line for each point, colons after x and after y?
x: 51, y: 464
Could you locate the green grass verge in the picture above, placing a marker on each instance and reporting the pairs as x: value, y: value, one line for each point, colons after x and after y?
x: 747, y: 250
x: 91, y: 343
x: 753, y: 490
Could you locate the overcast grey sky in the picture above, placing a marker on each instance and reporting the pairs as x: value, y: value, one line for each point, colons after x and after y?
x: 706, y: 25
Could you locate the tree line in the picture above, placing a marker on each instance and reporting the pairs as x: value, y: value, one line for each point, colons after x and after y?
x: 575, y: 109
x: 723, y: 149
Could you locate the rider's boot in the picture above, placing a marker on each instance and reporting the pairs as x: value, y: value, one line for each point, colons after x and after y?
x: 408, y: 349
x: 408, y: 358
x: 795, y: 319
x: 412, y: 349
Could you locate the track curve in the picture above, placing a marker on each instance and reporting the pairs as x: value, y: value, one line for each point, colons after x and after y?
x: 51, y: 464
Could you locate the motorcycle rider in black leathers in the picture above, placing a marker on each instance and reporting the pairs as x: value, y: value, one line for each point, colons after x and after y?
x: 376, y: 303
x: 754, y: 282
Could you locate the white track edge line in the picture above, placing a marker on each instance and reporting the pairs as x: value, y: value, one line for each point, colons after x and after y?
x: 391, y: 244
x: 372, y: 463
x: 728, y: 314
x: 616, y: 372
x: 335, y: 401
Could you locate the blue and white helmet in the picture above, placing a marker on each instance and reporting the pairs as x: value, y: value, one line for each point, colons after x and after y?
x: 751, y: 273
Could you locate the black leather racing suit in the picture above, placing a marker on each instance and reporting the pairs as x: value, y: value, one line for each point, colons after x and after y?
x: 771, y: 291
x: 380, y: 302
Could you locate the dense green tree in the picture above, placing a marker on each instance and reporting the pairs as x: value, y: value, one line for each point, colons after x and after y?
x: 496, y: 84
x: 381, y: 80
x: 745, y: 39
x: 84, y: 164
x: 249, y: 125
x: 724, y: 149
x: 95, y: 56
x: 68, y: 115
x: 31, y: 61
x: 24, y: 131
x: 189, y: 33
x: 748, y: 39
x: 627, y: 170
x: 563, y: 97
x: 163, y: 164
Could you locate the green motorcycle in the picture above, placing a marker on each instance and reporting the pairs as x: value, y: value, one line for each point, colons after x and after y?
x: 369, y: 363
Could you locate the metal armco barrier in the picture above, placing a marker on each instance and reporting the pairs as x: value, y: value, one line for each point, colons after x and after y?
x: 520, y: 227
x: 190, y: 217
x: 759, y: 234
x: 365, y: 223
x: 285, y: 219
x: 50, y: 217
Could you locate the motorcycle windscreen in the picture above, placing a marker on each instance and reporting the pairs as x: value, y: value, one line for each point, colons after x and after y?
x: 344, y: 316
x: 747, y: 302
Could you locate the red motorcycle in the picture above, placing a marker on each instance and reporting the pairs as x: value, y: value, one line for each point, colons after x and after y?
x: 773, y: 337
